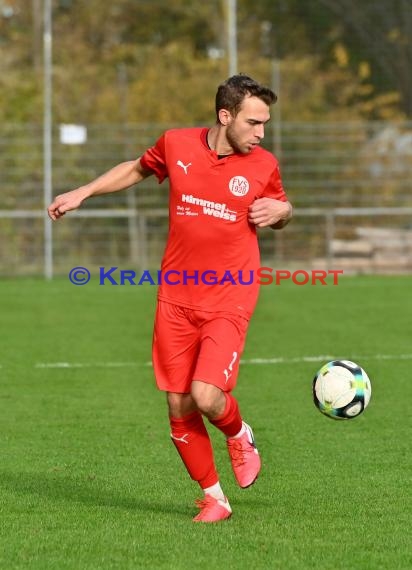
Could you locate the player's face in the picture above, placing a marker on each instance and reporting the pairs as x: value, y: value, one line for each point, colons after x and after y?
x: 247, y: 129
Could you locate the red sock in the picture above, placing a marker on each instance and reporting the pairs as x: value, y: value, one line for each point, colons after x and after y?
x: 230, y: 422
x: 192, y: 441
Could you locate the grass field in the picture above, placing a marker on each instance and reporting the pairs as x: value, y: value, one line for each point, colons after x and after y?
x: 90, y: 480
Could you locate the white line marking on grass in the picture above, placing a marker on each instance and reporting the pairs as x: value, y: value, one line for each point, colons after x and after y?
x: 286, y: 360
x: 326, y: 358
x: 85, y: 364
x: 248, y: 361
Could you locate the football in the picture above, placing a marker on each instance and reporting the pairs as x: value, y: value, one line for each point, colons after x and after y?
x: 341, y: 390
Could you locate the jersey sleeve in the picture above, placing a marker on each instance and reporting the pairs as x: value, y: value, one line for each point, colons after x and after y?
x: 274, y: 187
x: 154, y: 159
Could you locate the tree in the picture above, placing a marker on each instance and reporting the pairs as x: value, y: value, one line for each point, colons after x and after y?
x: 338, y: 58
x: 382, y: 30
x: 371, y: 39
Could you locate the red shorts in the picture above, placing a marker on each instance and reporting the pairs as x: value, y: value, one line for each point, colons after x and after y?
x: 196, y: 345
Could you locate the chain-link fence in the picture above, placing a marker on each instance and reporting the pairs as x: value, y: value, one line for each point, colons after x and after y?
x: 349, y: 183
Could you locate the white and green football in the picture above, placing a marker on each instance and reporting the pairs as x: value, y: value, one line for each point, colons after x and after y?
x: 341, y: 390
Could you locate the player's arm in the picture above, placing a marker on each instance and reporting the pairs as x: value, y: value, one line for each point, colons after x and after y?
x: 269, y: 212
x: 122, y: 176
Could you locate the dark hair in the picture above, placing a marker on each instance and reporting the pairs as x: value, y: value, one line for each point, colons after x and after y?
x: 232, y: 92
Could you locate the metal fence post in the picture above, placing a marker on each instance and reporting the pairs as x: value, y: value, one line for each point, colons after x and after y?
x: 330, y: 232
x: 47, y: 137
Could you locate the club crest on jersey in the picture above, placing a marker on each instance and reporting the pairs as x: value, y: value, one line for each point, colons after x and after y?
x: 239, y: 186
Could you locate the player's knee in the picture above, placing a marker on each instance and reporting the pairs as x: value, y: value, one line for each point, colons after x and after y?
x: 180, y: 405
x: 209, y: 399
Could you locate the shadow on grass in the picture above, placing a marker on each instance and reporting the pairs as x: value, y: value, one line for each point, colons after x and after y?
x: 76, y: 489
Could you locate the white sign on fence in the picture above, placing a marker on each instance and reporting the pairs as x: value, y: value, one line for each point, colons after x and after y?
x: 73, y: 134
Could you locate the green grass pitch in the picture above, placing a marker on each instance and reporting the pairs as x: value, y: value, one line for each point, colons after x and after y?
x: 90, y: 480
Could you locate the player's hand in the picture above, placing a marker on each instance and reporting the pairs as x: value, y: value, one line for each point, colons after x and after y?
x: 265, y: 212
x: 66, y: 202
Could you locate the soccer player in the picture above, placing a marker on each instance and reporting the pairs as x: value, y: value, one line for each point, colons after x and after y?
x: 223, y: 186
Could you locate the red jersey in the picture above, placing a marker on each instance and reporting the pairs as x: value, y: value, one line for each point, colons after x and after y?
x: 212, y: 254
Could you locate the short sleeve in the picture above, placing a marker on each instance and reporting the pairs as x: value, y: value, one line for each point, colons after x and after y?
x: 274, y: 187
x: 154, y: 159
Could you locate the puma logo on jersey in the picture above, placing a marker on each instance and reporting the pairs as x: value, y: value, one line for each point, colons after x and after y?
x: 184, y: 166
